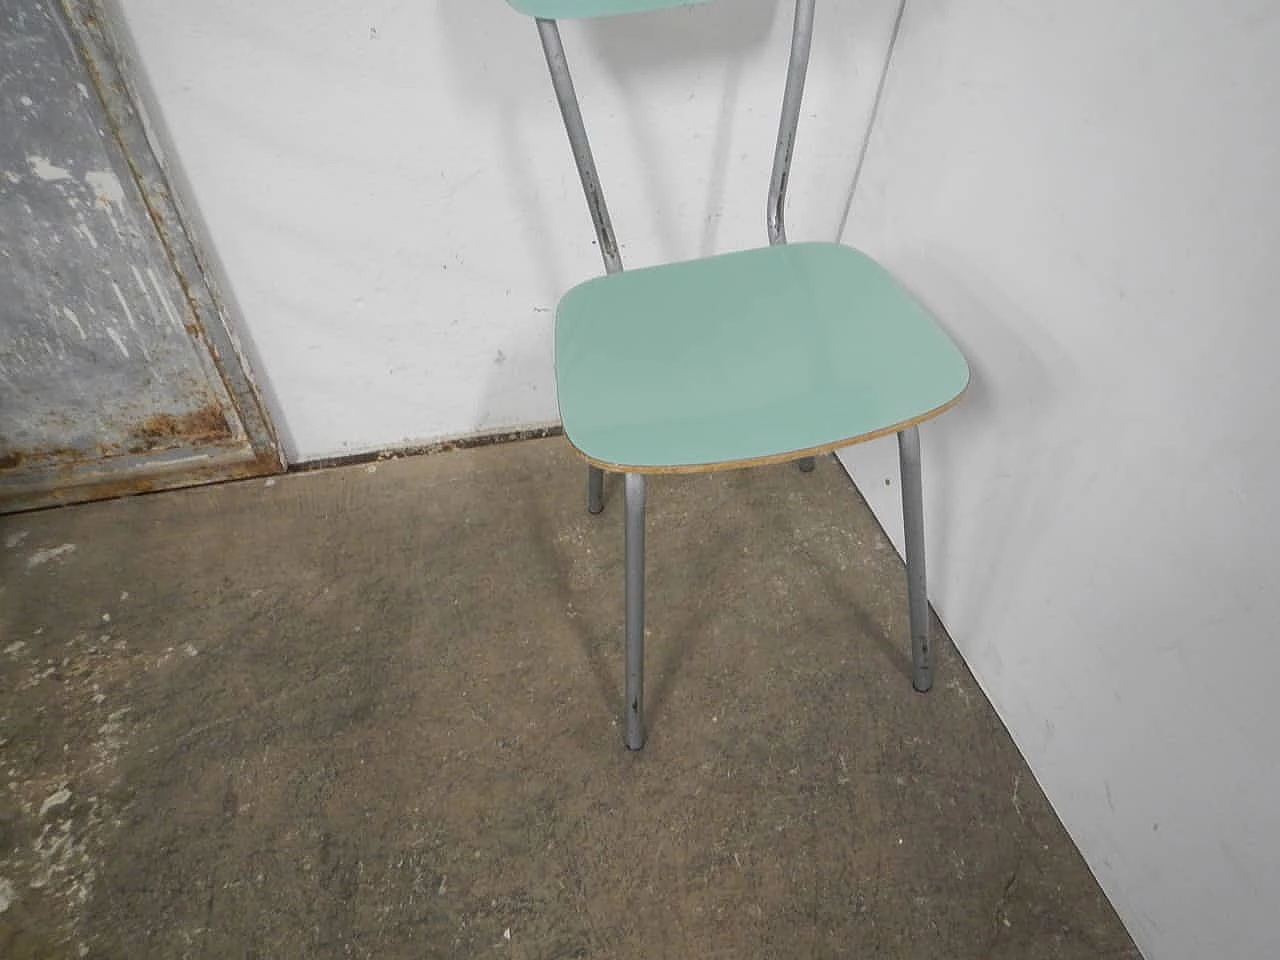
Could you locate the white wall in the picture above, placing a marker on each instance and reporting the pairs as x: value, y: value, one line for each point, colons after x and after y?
x: 1086, y: 194
x: 392, y: 199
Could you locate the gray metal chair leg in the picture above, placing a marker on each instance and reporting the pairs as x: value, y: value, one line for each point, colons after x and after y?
x: 595, y: 489
x: 913, y: 522
x: 635, y: 609
x: 806, y: 465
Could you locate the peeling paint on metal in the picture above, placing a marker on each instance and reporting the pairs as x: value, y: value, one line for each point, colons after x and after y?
x: 104, y: 335
x: 114, y: 334
x: 124, y: 305
x: 49, y: 172
x: 106, y: 187
x: 75, y: 322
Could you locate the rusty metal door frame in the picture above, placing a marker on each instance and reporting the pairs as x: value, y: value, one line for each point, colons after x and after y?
x: 207, y: 455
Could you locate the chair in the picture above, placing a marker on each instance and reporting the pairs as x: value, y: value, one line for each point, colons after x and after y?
x: 760, y: 356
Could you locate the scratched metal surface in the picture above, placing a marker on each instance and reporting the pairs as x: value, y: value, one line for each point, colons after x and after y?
x: 104, y: 372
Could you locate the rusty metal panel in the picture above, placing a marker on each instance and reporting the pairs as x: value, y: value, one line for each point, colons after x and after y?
x: 114, y: 361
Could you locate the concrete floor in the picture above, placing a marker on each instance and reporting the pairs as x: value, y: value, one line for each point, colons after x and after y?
x: 374, y: 712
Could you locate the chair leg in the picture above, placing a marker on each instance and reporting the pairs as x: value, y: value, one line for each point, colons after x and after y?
x: 595, y: 490
x: 635, y: 609
x: 913, y: 522
x: 806, y: 465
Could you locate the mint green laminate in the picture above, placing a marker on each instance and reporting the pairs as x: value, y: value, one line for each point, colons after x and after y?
x: 589, y: 9
x: 747, y: 356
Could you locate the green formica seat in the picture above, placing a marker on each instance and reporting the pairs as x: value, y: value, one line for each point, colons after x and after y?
x: 751, y: 357
x: 759, y: 356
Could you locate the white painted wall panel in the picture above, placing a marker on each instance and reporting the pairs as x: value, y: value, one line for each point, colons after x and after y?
x: 392, y: 201
x: 1086, y: 195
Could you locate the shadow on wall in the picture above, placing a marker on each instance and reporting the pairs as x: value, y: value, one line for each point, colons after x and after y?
x: 722, y: 33
x: 629, y: 51
x: 1017, y: 378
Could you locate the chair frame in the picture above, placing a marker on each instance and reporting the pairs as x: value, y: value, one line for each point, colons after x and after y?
x: 634, y: 482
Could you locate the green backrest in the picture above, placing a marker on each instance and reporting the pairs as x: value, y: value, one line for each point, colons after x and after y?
x: 587, y: 9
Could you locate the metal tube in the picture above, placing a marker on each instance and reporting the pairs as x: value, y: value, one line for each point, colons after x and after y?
x: 574, y: 126
x: 567, y: 97
x: 595, y: 489
x: 797, y: 68
x: 635, y: 609
x: 913, y: 524
x: 788, y: 124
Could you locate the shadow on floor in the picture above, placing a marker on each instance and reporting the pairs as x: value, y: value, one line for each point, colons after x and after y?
x: 374, y: 712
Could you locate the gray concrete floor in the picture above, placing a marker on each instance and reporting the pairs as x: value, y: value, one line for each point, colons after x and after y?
x: 374, y: 712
